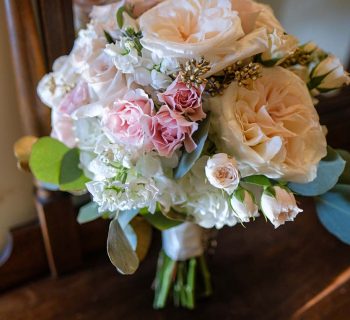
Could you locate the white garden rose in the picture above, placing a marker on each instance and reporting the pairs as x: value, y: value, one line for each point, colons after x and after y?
x: 332, y: 73
x: 100, y: 73
x: 271, y: 127
x: 221, y: 171
x: 186, y: 29
x: 279, y: 208
x: 245, y: 209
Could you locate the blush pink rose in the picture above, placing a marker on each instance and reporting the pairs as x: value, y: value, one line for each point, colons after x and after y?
x: 170, y: 131
x: 74, y: 99
x: 184, y: 100
x: 125, y: 120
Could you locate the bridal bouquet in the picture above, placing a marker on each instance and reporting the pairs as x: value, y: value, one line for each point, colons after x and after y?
x: 190, y: 115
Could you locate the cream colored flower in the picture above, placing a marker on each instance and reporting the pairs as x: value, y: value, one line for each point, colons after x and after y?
x: 271, y: 128
x: 280, y: 208
x: 246, y: 209
x: 332, y: 72
x: 221, y: 171
x: 281, y: 45
x: 192, y: 28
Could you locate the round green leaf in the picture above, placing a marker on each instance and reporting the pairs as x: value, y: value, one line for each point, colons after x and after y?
x: 45, y: 160
x: 71, y: 176
x: 328, y: 172
x: 333, y: 209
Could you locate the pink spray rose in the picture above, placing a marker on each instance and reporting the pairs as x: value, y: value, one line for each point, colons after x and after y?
x: 125, y: 120
x: 170, y: 131
x: 184, y: 100
x: 62, y: 122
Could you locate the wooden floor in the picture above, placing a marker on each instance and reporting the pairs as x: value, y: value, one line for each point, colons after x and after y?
x: 296, y: 272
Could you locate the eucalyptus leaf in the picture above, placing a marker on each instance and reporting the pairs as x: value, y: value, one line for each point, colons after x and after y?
x: 333, y: 209
x: 345, y: 177
x: 124, y: 217
x: 189, y: 159
x: 159, y: 221
x: 131, y: 236
x: 120, y: 251
x: 328, y: 172
x: 71, y: 176
x: 45, y: 160
x: 88, y: 213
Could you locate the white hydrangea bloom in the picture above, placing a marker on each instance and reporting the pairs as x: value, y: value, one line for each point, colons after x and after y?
x: 208, y: 205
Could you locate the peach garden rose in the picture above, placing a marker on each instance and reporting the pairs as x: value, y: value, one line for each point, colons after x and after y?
x: 272, y: 127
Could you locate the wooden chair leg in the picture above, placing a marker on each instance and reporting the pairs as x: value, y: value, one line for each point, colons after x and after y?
x: 60, y: 230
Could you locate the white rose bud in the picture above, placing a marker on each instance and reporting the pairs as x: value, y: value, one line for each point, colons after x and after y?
x: 329, y: 74
x: 221, y: 171
x: 279, y: 208
x: 280, y: 46
x: 244, y: 206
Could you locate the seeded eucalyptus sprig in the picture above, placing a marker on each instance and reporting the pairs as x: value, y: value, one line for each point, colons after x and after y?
x: 191, y: 73
x: 243, y: 74
x: 299, y: 56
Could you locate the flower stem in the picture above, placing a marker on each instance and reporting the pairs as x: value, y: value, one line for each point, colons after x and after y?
x: 164, y: 277
x: 208, y: 289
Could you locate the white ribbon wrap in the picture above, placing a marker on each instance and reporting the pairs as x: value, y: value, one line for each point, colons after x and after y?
x: 183, y: 242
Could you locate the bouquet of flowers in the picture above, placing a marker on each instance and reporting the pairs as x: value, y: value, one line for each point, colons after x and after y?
x: 190, y: 115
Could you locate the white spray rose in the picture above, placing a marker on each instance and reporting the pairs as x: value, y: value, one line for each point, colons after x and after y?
x: 279, y: 208
x: 245, y: 207
x: 221, y: 171
x: 331, y: 73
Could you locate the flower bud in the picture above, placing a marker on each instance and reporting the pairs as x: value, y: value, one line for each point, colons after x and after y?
x: 243, y: 205
x: 280, y: 207
x: 328, y: 75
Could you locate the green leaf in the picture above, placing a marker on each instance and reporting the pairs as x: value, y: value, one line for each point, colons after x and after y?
x: 328, y: 172
x: 108, y: 37
x: 333, y: 209
x: 188, y: 159
x: 345, y: 177
x: 120, y: 18
x: 88, y: 213
x: 270, y: 191
x: 239, y: 194
x: 259, y: 180
x: 46, y: 158
x: 71, y: 176
x: 159, y: 221
x: 120, y: 251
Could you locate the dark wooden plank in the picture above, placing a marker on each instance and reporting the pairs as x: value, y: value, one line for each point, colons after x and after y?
x: 258, y: 273
x: 57, y: 26
x: 28, y: 259
x: 29, y: 65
